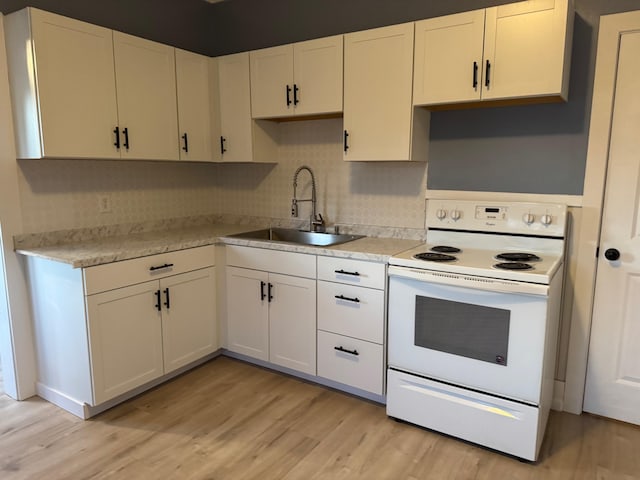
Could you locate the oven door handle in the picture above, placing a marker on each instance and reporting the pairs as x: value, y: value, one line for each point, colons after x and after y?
x: 469, y: 281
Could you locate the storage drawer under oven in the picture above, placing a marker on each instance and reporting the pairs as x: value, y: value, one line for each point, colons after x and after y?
x: 497, y: 423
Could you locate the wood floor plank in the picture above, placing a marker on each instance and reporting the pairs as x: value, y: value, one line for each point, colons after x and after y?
x: 234, y: 421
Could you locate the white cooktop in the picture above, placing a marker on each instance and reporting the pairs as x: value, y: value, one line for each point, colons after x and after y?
x: 483, y: 230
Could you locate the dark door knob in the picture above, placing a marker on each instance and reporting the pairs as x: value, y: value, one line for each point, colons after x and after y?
x: 612, y: 254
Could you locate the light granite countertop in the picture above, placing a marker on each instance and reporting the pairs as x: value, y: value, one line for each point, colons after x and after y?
x: 106, y: 246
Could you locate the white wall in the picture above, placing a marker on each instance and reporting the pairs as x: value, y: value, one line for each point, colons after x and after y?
x: 16, y: 344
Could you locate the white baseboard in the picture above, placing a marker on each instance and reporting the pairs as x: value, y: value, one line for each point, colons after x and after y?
x: 61, y: 400
x: 84, y: 411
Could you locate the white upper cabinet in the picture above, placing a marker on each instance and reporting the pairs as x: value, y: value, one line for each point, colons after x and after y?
x: 147, y: 110
x: 241, y: 139
x: 318, y: 73
x: 235, y: 107
x: 448, y: 58
x: 194, y: 118
x: 528, y: 48
x: 62, y: 86
x: 378, y: 74
x: 509, y: 52
x: 272, y: 82
x: 304, y: 78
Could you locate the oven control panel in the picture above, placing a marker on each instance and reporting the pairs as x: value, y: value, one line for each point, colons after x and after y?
x: 502, y: 217
x: 491, y: 213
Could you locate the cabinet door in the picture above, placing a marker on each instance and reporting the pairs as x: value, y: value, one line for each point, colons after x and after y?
x: 292, y: 323
x: 317, y: 71
x: 194, y: 118
x: 378, y: 75
x: 189, y: 329
x: 272, y: 82
x: 525, y: 48
x: 76, y: 87
x: 235, y: 108
x: 448, y: 59
x: 146, y: 87
x: 248, y: 312
x: 125, y: 339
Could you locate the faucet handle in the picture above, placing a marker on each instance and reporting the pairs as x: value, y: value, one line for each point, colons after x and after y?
x: 318, y: 223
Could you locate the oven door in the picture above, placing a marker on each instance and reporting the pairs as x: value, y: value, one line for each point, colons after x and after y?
x: 465, y: 331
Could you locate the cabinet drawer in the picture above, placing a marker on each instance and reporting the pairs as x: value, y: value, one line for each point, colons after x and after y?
x: 353, y: 311
x: 355, y: 272
x: 276, y: 261
x: 129, y: 272
x: 364, y: 370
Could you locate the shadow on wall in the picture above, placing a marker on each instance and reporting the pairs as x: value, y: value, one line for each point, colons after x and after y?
x: 69, y: 176
x: 404, y: 179
x: 528, y: 149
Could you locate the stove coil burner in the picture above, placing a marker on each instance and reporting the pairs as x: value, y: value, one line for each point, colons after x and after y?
x: 517, y: 257
x: 434, y: 257
x: 445, y: 249
x: 513, y: 266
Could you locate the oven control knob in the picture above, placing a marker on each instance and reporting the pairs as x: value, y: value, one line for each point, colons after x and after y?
x: 528, y: 218
x: 455, y: 215
x: 546, y: 219
x: 441, y: 214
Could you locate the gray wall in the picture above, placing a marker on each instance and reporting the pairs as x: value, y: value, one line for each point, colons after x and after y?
x: 531, y: 149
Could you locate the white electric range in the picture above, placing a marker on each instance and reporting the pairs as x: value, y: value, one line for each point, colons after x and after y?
x: 473, y: 321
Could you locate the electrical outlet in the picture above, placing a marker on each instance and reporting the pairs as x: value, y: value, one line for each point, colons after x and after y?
x: 104, y: 204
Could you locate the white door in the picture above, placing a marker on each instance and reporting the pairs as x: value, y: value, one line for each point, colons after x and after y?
x: 125, y: 339
x: 272, y: 82
x: 378, y: 64
x: 194, y: 118
x: 189, y: 329
x: 76, y: 87
x: 318, y: 66
x: 613, y: 373
x: 236, y: 143
x: 524, y: 49
x: 292, y: 322
x: 146, y: 88
x: 248, y: 312
x: 448, y: 59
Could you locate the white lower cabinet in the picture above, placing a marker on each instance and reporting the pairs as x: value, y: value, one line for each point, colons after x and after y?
x: 271, y: 306
x: 125, y: 340
x: 351, y: 322
x: 104, y: 331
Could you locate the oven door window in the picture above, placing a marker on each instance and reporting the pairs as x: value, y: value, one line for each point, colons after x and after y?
x: 463, y: 329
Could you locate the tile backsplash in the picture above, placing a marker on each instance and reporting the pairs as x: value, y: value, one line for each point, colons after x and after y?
x: 64, y: 194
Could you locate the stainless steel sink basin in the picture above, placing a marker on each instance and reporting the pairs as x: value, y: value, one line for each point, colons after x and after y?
x: 300, y: 237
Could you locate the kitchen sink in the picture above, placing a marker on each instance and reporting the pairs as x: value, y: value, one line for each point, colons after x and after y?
x: 300, y: 237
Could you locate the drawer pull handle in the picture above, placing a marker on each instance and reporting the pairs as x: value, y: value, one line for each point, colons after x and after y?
x: 125, y: 132
x: 160, y: 267
x: 168, y: 302
x: 350, y: 352
x: 262, y: 294
x: 344, y: 272
x: 157, y: 305
x: 186, y: 142
x: 116, y: 131
x: 342, y: 297
x: 269, y: 291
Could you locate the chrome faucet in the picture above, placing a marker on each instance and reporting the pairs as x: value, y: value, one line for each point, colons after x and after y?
x: 316, y: 222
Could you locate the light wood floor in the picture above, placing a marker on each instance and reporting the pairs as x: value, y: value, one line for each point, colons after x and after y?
x: 230, y: 420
